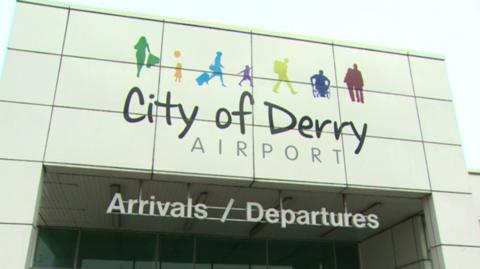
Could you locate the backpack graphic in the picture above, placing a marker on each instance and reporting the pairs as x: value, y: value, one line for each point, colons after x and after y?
x: 278, y: 66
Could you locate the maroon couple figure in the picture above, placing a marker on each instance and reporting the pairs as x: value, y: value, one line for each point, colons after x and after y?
x: 354, y: 81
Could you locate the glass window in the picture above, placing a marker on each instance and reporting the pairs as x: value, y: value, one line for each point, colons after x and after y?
x: 114, y: 250
x: 176, y: 252
x: 55, y: 248
x: 126, y: 250
x: 228, y: 253
x: 347, y: 255
x: 300, y: 255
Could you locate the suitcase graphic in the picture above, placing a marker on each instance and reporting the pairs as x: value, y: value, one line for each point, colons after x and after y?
x: 203, y: 78
x: 152, y: 60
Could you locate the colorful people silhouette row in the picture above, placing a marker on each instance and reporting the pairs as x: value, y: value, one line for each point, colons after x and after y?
x: 319, y: 82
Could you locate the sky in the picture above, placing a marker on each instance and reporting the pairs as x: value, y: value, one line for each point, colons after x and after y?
x: 449, y: 28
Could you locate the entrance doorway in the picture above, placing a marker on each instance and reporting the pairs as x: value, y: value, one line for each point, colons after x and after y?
x: 75, y: 230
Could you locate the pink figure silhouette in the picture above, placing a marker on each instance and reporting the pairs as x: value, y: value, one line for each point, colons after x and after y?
x: 354, y: 81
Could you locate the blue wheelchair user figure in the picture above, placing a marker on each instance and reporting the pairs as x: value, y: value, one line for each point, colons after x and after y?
x: 320, y: 85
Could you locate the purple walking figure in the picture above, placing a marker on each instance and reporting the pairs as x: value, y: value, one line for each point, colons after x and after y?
x: 246, y: 75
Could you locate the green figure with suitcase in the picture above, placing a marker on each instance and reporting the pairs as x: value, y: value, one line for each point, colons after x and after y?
x: 142, y: 47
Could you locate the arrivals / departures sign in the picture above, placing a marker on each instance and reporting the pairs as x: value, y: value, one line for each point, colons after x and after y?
x: 255, y: 212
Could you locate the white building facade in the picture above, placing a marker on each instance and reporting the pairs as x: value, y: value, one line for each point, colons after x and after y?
x: 130, y: 141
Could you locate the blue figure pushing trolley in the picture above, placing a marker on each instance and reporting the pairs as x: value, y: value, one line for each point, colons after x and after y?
x: 216, y: 69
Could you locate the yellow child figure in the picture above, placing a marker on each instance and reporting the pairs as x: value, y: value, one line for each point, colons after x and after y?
x: 281, y: 69
x: 178, y: 67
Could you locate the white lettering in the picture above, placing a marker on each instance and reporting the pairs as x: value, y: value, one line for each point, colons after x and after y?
x: 272, y: 215
x: 373, y: 221
x: 358, y: 220
x: 178, y: 210
x: 131, y: 204
x: 287, y: 217
x: 259, y: 208
x: 303, y: 217
x: 254, y: 213
x: 200, y: 211
x: 163, y: 208
x: 116, y: 204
